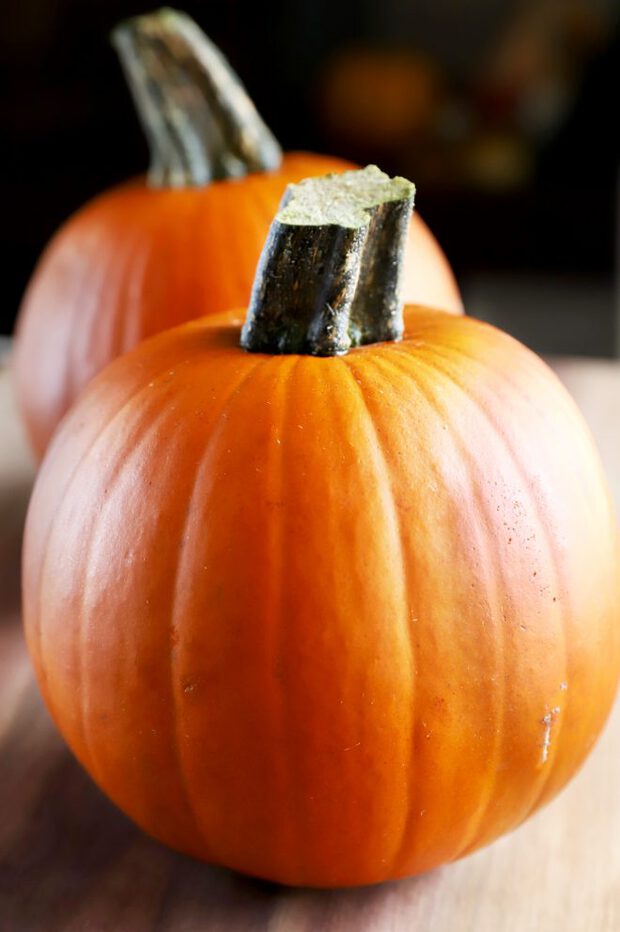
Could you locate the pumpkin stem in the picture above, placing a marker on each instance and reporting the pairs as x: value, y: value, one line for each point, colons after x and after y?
x: 329, y: 275
x: 199, y: 121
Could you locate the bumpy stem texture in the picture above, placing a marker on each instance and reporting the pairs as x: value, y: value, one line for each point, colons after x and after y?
x: 329, y: 277
x: 199, y: 121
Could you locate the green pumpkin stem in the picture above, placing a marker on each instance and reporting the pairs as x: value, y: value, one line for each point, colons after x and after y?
x: 329, y: 277
x: 199, y: 121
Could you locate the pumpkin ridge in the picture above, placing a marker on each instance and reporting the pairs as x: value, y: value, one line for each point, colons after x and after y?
x: 196, y: 221
x: 383, y: 358
x: 559, y: 580
x: 489, y: 558
x: 222, y: 249
x: 36, y: 637
x: 116, y: 296
x: 280, y: 547
x: 85, y: 290
x: 357, y: 378
x: 133, y: 295
x: 255, y: 193
x: 155, y: 229
x: 82, y: 287
x: 153, y: 428
x: 93, y: 537
x: 230, y: 248
x: 430, y: 397
x: 563, y: 618
x: 538, y: 368
x: 35, y: 634
x: 83, y: 321
x: 177, y: 588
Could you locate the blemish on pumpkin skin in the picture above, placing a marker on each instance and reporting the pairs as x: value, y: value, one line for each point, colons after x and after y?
x: 427, y: 733
x: 548, y: 721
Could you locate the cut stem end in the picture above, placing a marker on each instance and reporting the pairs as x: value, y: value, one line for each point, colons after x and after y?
x: 329, y: 277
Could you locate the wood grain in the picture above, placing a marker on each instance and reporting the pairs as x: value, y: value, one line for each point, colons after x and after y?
x: 70, y: 861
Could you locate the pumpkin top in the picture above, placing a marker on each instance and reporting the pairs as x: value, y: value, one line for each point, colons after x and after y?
x: 329, y: 277
x: 200, y: 123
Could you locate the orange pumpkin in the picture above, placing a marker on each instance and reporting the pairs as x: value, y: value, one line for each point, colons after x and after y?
x: 378, y: 99
x: 325, y: 620
x: 145, y: 257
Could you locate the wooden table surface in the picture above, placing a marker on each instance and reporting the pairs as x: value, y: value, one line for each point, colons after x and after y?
x: 70, y: 861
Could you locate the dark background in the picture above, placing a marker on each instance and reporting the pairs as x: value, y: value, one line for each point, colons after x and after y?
x: 504, y: 112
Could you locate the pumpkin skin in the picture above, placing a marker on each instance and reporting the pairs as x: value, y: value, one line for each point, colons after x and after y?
x: 325, y: 621
x: 138, y: 260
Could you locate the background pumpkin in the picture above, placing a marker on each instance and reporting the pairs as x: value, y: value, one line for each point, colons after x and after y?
x: 325, y: 620
x: 379, y: 100
x: 142, y: 258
